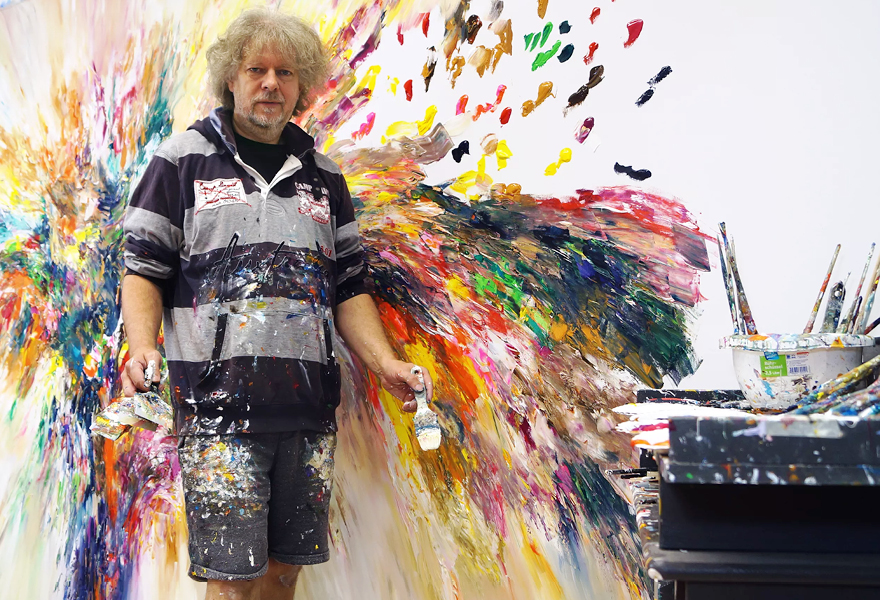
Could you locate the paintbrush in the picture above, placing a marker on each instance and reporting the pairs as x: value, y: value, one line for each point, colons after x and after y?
x: 852, y: 324
x: 740, y: 292
x: 812, y: 321
x: 427, y: 429
x: 834, y: 307
x: 869, y: 299
x: 828, y: 392
x: 853, y: 309
x: 730, y: 299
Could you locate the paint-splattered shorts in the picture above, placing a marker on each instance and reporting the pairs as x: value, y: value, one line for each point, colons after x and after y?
x: 254, y: 496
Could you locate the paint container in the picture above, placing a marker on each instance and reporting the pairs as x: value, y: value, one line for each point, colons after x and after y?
x: 775, y: 370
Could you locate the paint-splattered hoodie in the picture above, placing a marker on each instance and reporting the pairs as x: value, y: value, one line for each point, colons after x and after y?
x: 250, y: 271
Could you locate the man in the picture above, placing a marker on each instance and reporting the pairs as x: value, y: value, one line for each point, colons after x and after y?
x: 242, y: 237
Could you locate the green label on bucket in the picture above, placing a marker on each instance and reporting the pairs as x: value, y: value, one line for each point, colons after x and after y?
x: 774, y: 366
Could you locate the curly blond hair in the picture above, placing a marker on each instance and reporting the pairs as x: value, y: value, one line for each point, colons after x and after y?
x: 259, y: 28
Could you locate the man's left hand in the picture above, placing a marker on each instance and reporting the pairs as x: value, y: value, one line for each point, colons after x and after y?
x: 397, y: 377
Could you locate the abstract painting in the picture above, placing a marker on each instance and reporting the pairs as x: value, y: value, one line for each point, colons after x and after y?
x: 536, y: 312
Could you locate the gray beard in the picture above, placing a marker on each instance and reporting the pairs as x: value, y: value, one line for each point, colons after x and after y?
x: 265, y: 123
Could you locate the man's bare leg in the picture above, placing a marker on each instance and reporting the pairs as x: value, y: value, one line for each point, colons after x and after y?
x: 279, y: 582
x: 233, y: 590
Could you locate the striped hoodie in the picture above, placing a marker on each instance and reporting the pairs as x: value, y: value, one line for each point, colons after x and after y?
x: 250, y: 272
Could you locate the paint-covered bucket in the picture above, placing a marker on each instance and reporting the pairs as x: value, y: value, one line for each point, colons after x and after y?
x: 775, y: 370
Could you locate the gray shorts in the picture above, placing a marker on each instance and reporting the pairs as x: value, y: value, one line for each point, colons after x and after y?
x: 251, y: 496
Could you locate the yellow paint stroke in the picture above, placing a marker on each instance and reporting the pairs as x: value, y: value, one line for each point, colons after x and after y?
x: 458, y: 288
x: 539, y: 568
x: 478, y: 180
x: 413, y: 129
x: 392, y: 85
x: 545, y: 90
x: 368, y: 81
x: 502, y: 153
x: 564, y: 157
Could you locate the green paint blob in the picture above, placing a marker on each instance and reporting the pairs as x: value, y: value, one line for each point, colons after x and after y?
x: 535, y: 39
x: 529, y: 40
x: 546, y: 33
x: 543, y: 57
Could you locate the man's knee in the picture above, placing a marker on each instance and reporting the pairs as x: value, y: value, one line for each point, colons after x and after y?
x: 233, y: 590
x: 282, y: 574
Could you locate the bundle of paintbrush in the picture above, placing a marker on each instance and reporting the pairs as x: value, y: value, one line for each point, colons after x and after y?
x: 855, y: 320
x: 146, y: 410
x: 835, y: 393
x: 736, y: 295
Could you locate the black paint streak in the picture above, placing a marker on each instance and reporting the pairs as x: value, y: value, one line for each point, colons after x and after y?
x: 649, y: 93
x: 564, y: 27
x: 597, y: 74
x: 566, y: 53
x: 638, y: 175
x: 664, y: 72
x: 463, y: 148
x: 645, y: 97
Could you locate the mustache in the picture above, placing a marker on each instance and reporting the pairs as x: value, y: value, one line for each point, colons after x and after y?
x: 270, y: 98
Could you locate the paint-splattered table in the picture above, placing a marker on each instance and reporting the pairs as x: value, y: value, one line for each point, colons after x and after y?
x: 764, y: 507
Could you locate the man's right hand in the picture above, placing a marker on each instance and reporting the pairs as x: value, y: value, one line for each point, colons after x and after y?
x: 133, y: 374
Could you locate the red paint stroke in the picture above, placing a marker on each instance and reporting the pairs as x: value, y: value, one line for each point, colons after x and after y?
x: 400, y: 34
x: 461, y: 105
x: 589, y: 57
x: 407, y: 87
x: 635, y: 30
x: 505, y: 115
x: 426, y: 20
x: 365, y: 129
x: 595, y: 14
x: 491, y: 106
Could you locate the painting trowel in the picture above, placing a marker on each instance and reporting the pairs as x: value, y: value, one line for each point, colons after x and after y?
x: 144, y: 410
x: 427, y: 429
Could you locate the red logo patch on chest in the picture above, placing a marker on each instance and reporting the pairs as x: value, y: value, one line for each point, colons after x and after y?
x: 217, y: 193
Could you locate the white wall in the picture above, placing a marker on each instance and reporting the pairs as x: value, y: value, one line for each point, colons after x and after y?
x: 768, y: 122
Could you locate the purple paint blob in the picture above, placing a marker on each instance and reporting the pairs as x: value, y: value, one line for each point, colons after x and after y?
x: 584, y: 130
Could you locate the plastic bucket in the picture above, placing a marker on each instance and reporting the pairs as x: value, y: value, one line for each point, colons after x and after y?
x: 775, y: 370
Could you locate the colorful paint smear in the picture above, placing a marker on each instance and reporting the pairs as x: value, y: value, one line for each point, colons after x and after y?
x: 536, y: 315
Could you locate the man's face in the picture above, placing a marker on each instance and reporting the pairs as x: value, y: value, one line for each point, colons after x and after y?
x: 265, y: 91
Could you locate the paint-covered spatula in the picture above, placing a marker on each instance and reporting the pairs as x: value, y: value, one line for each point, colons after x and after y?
x: 427, y: 429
